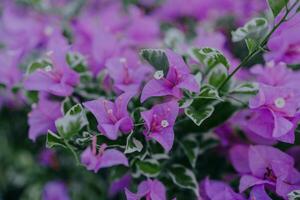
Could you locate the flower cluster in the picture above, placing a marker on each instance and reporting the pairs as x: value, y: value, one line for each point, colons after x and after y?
x: 157, y: 95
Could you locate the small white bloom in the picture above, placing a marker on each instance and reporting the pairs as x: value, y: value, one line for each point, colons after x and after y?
x: 109, y: 111
x: 159, y: 75
x: 164, y: 123
x: 33, y: 106
x: 48, y: 30
x: 123, y: 60
x: 48, y: 68
x: 279, y: 102
x: 270, y: 64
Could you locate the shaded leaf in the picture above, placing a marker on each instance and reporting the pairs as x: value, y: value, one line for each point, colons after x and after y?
x: 254, y: 29
x: 54, y: 140
x: 210, y: 57
x: 157, y: 58
x: 148, y: 167
x: 183, y: 178
x: 133, y: 145
x: 277, y: 6
x: 199, y: 115
x: 70, y: 124
x: 191, y: 149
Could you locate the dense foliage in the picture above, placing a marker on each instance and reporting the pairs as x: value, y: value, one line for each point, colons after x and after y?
x: 149, y: 99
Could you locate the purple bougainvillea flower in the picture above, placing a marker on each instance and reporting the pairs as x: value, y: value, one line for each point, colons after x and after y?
x: 40, y: 119
x: 127, y: 75
x: 276, y: 75
x: 265, y: 165
x: 178, y: 78
x: 119, y: 185
x: 259, y: 192
x: 47, y: 157
x: 150, y: 189
x: 142, y: 30
x: 10, y: 74
x: 112, y: 117
x: 217, y: 190
x: 284, y: 44
x: 95, y: 160
x: 275, y: 113
x: 58, y: 79
x: 55, y: 190
x: 159, y: 122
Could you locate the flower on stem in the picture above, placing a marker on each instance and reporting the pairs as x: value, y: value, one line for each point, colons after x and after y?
x: 40, y: 119
x: 275, y: 113
x: 58, y: 79
x: 178, y: 78
x: 95, y: 159
x: 159, y: 122
x: 112, y: 117
x: 55, y: 190
x: 127, y: 73
x: 265, y: 165
x: 150, y: 189
x: 217, y: 190
x: 284, y: 44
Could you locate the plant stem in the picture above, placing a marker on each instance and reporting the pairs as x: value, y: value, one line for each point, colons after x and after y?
x: 259, y: 47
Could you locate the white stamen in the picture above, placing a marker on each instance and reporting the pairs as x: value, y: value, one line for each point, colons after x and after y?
x: 109, y: 111
x: 123, y: 60
x: 33, y: 106
x: 164, y: 123
x: 48, y: 68
x: 48, y: 30
x: 49, y: 53
x: 279, y: 102
x: 159, y: 75
x: 270, y: 64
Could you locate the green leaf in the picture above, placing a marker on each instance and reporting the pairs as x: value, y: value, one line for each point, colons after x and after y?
x: 294, y: 195
x: 174, y: 38
x: 77, y: 62
x: 183, y: 178
x: 70, y: 124
x: 217, y: 76
x: 251, y: 44
x: 254, y: 29
x: 209, y: 92
x: 40, y: 64
x: 245, y: 88
x: 54, y: 140
x: 200, y: 114
x: 190, y: 147
x: 148, y: 167
x: 210, y: 57
x: 277, y: 6
x: 133, y: 145
x: 157, y: 58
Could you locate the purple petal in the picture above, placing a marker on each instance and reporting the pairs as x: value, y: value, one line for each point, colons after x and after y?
x: 113, y: 157
x: 248, y: 181
x: 258, y: 192
x: 155, y: 88
x: 158, y: 190
x: 281, y: 126
x: 239, y: 158
x: 165, y: 138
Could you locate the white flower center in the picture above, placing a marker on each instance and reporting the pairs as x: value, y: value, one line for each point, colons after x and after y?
x: 164, y: 123
x: 109, y: 111
x: 48, y: 68
x: 48, y: 30
x: 159, y: 75
x: 279, y: 102
x: 270, y: 64
x: 123, y: 60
